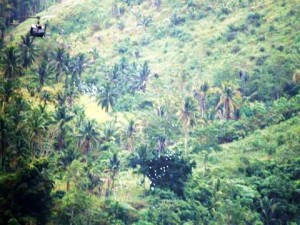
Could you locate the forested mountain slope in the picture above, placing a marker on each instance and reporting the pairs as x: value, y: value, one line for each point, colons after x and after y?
x: 150, y: 112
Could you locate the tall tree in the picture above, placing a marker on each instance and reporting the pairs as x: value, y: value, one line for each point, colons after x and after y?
x: 45, y: 71
x: 201, y: 97
x: 107, y: 97
x: 28, y: 50
x: 37, y: 126
x: 62, y: 117
x: 66, y: 157
x: 188, y: 118
x: 7, y: 91
x: 244, y: 78
x: 6, y: 136
x: 81, y: 63
x: 130, y: 132
x: 143, y: 76
x: 59, y: 58
x: 141, y: 157
x: 46, y: 97
x: 114, y: 167
x: 227, y: 99
x: 10, y: 63
x: 88, y: 136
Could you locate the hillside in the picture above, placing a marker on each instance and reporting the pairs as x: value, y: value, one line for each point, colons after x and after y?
x: 150, y: 112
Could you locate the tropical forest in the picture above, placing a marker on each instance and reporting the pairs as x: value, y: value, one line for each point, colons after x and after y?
x: 149, y: 112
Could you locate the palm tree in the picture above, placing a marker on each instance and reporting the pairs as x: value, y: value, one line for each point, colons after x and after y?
x: 143, y: 77
x: 88, y: 136
x: 79, y: 115
x: 269, y: 208
x: 201, y: 97
x: 140, y: 158
x: 61, y: 117
x: 6, y: 135
x: 60, y: 98
x: 10, y: 63
x: 7, y: 91
x: 2, y: 28
x: 28, y: 50
x: 59, y: 58
x: 80, y: 63
x: 109, y: 132
x: 37, y: 125
x: 71, y: 68
x: 244, y: 78
x: 130, y: 132
x: 67, y: 68
x: 114, y: 167
x: 66, y: 157
x: 227, y: 99
x: 46, y: 97
x: 187, y: 116
x: 45, y: 72
x: 107, y: 97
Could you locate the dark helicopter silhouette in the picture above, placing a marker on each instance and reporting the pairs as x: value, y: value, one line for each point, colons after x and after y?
x: 38, y: 30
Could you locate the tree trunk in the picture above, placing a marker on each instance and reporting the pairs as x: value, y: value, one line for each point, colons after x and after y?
x: 227, y: 108
x: 68, y: 186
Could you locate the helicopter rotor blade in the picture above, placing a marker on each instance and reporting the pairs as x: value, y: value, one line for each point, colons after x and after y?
x: 41, y: 17
x: 47, y: 17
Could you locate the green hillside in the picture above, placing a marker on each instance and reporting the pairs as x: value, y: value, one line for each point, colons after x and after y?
x: 150, y: 112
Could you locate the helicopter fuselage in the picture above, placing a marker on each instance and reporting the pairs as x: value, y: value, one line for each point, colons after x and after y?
x: 37, y: 30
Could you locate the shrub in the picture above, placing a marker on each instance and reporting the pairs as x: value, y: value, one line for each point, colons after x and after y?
x: 177, y: 20
x: 231, y: 36
x: 254, y: 19
x: 236, y: 49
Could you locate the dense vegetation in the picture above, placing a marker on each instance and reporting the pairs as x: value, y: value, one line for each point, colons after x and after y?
x: 150, y: 112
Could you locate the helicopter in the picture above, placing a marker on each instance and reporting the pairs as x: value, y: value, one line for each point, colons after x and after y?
x: 38, y: 30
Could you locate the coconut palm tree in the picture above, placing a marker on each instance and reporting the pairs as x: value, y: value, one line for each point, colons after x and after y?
x: 114, y: 167
x: 142, y: 77
x: 46, y: 97
x: 107, y: 97
x: 10, y: 63
x: 81, y: 63
x: 28, y: 50
x: 44, y: 72
x: 61, y: 117
x: 88, y: 136
x: 201, y: 97
x: 37, y: 126
x: 60, y: 98
x: 130, y: 132
x: 244, y: 79
x: 227, y: 99
x: 59, y: 58
x: 188, y: 118
x: 66, y: 157
x: 79, y: 115
x: 109, y: 132
x: 7, y: 91
x: 140, y: 158
x: 6, y: 137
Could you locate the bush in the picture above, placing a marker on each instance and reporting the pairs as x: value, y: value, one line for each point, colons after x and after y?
x: 236, y: 49
x: 169, y: 171
x: 177, y: 20
x: 254, y: 19
x: 231, y: 36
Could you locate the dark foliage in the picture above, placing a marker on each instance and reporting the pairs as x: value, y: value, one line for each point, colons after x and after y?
x: 25, y: 194
x: 169, y: 171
